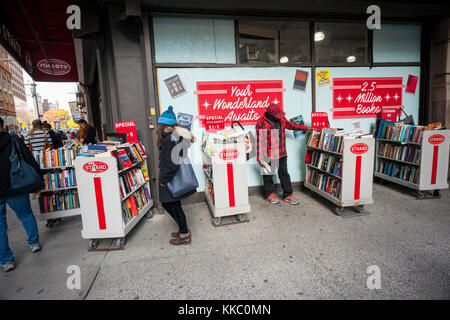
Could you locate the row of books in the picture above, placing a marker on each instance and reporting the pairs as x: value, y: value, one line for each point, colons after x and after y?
x: 128, y: 155
x: 325, y: 183
x: 61, y: 157
x: 66, y: 200
x: 397, y: 170
x: 327, y: 139
x: 131, y: 180
x: 329, y: 163
x: 135, y: 203
x: 406, y: 153
x: 62, y: 179
x: 403, y: 133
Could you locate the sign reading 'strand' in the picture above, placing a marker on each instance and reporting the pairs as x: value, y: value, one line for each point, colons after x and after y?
x: 365, y: 97
x: 95, y: 167
x: 244, y: 101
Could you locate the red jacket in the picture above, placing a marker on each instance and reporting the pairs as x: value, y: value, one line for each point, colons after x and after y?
x: 268, y: 146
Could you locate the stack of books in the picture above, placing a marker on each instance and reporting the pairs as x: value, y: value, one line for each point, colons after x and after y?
x: 325, y: 183
x: 128, y: 155
x: 59, y: 180
x: 61, y: 157
x: 66, y: 200
x: 400, y: 171
x: 403, y: 133
x: 135, y: 203
x: 326, y: 162
x: 407, y: 153
x: 130, y: 180
x: 327, y: 139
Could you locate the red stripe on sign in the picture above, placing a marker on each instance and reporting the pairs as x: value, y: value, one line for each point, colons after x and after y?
x: 357, y: 177
x: 99, y: 200
x: 435, y: 164
x: 230, y: 184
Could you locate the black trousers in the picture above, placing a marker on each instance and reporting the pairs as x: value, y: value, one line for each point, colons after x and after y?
x: 285, y: 180
x: 176, y: 212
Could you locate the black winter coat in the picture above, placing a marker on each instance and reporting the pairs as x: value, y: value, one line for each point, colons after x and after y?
x: 5, y: 165
x: 168, y: 169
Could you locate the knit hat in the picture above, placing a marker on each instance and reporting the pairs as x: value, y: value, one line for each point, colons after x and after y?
x: 168, y: 117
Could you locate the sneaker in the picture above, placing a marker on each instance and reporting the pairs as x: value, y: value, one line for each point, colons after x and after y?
x: 272, y: 199
x: 179, y: 240
x: 35, y: 247
x: 291, y: 200
x: 9, y: 266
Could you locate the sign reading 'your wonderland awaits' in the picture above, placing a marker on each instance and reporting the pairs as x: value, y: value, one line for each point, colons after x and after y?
x: 365, y: 97
x: 244, y: 101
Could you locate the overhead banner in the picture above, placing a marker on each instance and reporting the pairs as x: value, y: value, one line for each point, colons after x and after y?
x: 76, y: 115
x: 244, y: 101
x: 365, y: 97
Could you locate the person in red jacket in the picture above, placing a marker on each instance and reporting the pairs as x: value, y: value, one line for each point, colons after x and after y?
x: 271, y: 152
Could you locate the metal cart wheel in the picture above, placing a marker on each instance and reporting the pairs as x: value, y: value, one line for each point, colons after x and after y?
x: 436, y: 193
x: 120, y: 242
x: 149, y: 214
x: 339, y: 211
x: 93, y: 244
x: 49, y: 223
x: 216, y: 221
x: 241, y: 217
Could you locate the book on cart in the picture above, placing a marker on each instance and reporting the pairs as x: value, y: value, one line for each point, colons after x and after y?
x: 413, y: 156
x: 340, y: 166
x: 114, y: 191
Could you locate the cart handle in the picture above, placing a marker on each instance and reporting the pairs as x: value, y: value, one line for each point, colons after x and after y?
x: 240, y: 125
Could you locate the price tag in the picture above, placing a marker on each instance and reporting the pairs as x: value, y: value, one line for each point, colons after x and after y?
x: 214, y: 123
x: 319, y: 120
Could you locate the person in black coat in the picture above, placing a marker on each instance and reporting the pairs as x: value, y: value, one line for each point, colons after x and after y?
x: 56, y: 138
x: 18, y: 201
x: 86, y: 134
x: 169, y: 134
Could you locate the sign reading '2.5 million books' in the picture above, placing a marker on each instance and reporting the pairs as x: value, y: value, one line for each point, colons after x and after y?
x: 244, y: 101
x: 365, y: 97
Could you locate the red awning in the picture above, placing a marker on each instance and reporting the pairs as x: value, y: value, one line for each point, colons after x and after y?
x: 34, y: 32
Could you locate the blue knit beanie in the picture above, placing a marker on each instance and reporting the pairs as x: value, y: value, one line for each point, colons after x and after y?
x: 168, y: 117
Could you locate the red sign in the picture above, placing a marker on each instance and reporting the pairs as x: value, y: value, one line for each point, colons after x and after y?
x: 359, y: 148
x: 228, y: 154
x: 365, y: 97
x: 436, y: 139
x: 55, y: 67
x: 95, y: 167
x: 319, y: 120
x: 128, y: 127
x: 245, y: 101
x: 214, y: 123
x: 390, y: 114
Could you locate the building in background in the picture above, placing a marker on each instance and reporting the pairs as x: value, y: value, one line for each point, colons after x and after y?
x: 18, y: 86
x: 45, y: 106
x: 31, y: 102
x: 7, y: 108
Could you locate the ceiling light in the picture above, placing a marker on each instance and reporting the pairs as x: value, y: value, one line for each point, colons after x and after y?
x: 319, y: 36
x: 284, y: 59
x: 351, y: 59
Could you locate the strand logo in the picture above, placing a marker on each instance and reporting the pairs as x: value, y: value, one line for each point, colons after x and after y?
x: 436, y: 139
x: 54, y: 67
x: 359, y: 148
x: 95, y: 167
x: 228, y: 154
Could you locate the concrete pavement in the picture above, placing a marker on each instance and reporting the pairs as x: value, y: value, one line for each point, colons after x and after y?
x: 284, y: 252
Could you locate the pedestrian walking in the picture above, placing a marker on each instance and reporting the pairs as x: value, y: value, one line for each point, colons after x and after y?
x: 55, y: 138
x: 169, y: 135
x: 18, y: 201
x: 38, y: 139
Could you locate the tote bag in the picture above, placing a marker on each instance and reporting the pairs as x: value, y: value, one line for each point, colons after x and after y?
x: 23, y: 176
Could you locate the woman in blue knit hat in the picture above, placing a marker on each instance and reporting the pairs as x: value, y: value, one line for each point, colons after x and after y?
x: 169, y: 134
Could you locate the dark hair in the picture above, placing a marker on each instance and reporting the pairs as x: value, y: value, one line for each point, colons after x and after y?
x: 1, y: 122
x: 81, y: 121
x: 161, y: 134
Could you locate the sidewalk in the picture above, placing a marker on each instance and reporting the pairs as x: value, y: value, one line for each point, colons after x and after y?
x: 284, y: 252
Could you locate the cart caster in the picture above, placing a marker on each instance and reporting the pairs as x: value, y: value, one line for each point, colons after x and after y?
x: 120, y: 243
x: 93, y: 244
x: 216, y: 221
x: 339, y: 211
x: 149, y: 214
x: 436, y: 194
x: 313, y: 194
x: 241, y: 217
x: 49, y: 224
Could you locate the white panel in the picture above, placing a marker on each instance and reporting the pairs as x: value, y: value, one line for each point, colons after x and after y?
x: 426, y: 164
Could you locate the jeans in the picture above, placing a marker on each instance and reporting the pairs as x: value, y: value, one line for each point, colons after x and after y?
x: 285, y: 180
x: 175, y: 210
x: 21, y: 205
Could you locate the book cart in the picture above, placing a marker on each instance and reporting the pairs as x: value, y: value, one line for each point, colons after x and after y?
x: 59, y: 199
x: 114, y: 195
x: 414, y: 157
x: 225, y: 168
x: 340, y: 169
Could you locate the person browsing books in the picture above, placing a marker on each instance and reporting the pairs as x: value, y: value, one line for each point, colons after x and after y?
x: 38, y: 139
x: 271, y: 152
x: 168, y: 134
x: 86, y: 134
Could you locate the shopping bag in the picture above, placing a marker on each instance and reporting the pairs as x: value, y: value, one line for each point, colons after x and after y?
x: 408, y: 118
x: 23, y: 176
x: 184, y: 180
x: 251, y: 140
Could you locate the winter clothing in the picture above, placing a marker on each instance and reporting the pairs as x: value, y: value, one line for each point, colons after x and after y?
x: 167, y: 167
x: 88, y: 134
x: 176, y: 212
x: 266, y: 146
x: 5, y: 165
x: 56, y: 139
x: 168, y: 117
x: 285, y: 180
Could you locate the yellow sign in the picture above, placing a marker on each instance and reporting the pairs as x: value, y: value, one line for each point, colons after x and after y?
x: 323, y: 78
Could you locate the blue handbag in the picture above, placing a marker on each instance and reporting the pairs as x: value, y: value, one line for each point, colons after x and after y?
x: 184, y: 180
x: 23, y: 176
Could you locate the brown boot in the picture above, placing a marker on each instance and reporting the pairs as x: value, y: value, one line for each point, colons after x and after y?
x: 179, y: 240
x: 177, y: 234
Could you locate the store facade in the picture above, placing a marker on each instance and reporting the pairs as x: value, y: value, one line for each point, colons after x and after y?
x: 155, y: 59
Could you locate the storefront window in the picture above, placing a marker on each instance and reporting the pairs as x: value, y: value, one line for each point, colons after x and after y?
x: 273, y: 42
x: 340, y: 43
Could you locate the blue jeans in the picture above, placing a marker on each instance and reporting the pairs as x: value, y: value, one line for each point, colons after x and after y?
x: 21, y: 205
